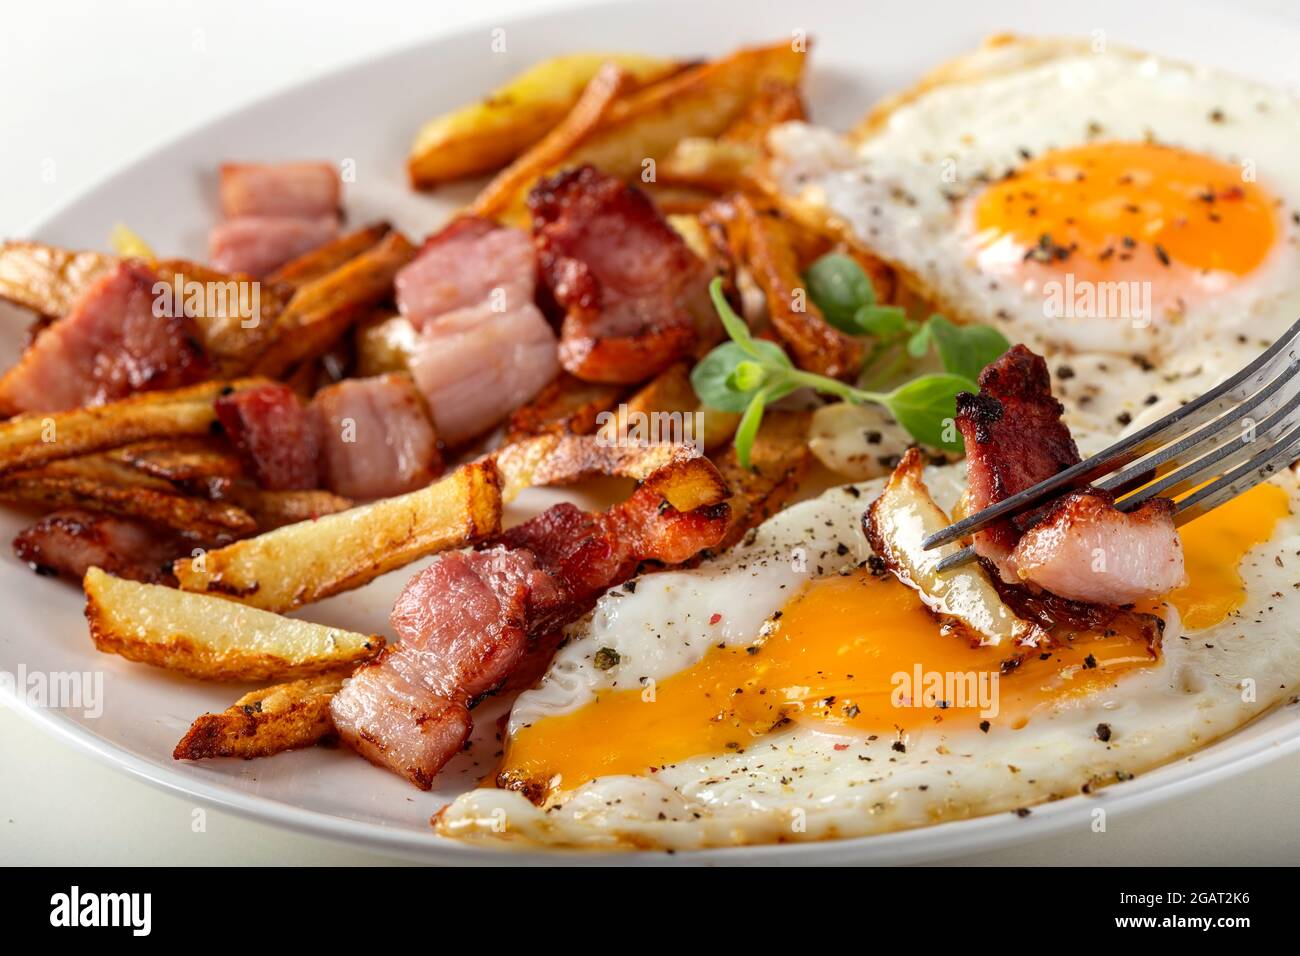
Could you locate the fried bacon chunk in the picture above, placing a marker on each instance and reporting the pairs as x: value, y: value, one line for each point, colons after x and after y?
x: 279, y: 189
x: 115, y: 342
x: 69, y: 542
x: 624, y: 278
x: 256, y: 245
x: 274, y: 434
x: 467, y: 621
x: 1014, y: 439
x: 1086, y: 549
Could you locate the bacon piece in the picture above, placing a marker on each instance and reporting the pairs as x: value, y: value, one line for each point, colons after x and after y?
x: 306, y: 190
x: 110, y: 345
x: 462, y: 627
x: 465, y: 622
x: 276, y: 437
x: 256, y: 245
x: 465, y: 265
x: 375, y: 437
x: 622, y: 275
x: 475, y: 366
x: 70, y: 542
x: 1014, y: 439
x: 1086, y: 549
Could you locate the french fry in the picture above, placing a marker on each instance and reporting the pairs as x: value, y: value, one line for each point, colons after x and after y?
x: 779, y: 460
x: 305, y: 562
x: 275, y: 509
x: 47, y: 279
x: 211, y: 638
x: 384, y: 343
x: 671, y: 393
x: 267, y: 721
x: 323, y: 309
x: 565, y: 459
x: 566, y: 406
x: 235, y: 317
x: 181, y: 460
x: 714, y: 164
x: 489, y: 134
x: 30, y: 440
x: 101, y: 484
x: 773, y: 260
x: 325, y: 259
x: 642, y: 128
x: 591, y: 109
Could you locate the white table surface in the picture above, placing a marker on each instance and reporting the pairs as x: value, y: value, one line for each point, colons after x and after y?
x: 62, y: 64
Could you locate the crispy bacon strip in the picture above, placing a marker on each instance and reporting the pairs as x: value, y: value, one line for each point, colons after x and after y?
x: 1014, y: 439
x: 465, y: 622
x: 625, y: 279
x: 70, y: 542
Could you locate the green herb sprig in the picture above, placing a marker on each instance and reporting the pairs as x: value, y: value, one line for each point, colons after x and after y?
x: 747, y: 374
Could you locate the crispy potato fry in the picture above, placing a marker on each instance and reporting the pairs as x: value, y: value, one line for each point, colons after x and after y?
x: 181, y: 460
x: 645, y: 126
x: 325, y: 259
x: 773, y: 260
x: 774, y: 103
x: 565, y: 459
x: 235, y: 316
x: 325, y: 308
x: 566, y: 406
x: 102, y: 484
x: 591, y: 109
x: 47, y: 279
x: 714, y: 164
x: 701, y: 101
x: 211, y: 638
x: 779, y: 459
x: 275, y: 509
x: 489, y: 134
x: 267, y: 721
x: 304, y: 562
x: 29, y: 440
x: 384, y: 343
x: 671, y: 393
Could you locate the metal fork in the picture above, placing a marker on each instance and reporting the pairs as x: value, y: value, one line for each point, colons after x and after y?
x: 1234, y: 436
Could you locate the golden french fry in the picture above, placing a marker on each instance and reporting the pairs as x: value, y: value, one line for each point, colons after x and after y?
x: 489, y: 134
x: 29, y: 440
x: 325, y: 259
x: 325, y: 308
x: 779, y: 460
x: 669, y: 400
x: 591, y: 109
x: 47, y: 279
x: 211, y: 638
x: 567, y: 405
x: 267, y: 721
x: 384, y: 343
x: 305, y: 562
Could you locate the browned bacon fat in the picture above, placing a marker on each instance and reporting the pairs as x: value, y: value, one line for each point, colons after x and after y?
x: 70, y: 542
x: 1014, y: 439
x: 306, y: 190
x: 119, y: 338
x: 1086, y: 549
x: 467, y: 264
x: 276, y: 437
x: 256, y: 245
x: 464, y: 622
x: 375, y: 436
x: 622, y: 275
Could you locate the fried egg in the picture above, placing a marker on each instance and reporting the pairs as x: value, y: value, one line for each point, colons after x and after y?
x: 1131, y: 218
x: 790, y: 690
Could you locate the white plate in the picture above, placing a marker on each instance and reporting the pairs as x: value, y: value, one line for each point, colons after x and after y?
x: 368, y: 114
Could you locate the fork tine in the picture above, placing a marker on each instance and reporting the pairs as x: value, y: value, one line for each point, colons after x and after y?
x: 1242, y: 478
x: 1222, y: 458
x: 956, y: 559
x: 1217, y: 433
x: 1195, y: 413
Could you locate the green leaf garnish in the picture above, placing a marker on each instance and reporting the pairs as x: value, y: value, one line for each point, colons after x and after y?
x: 927, y: 408
x: 839, y: 287
x: 966, y: 349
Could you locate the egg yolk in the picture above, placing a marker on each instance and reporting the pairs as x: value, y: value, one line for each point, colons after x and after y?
x: 1129, y: 211
x: 861, y: 653
x: 1213, y: 546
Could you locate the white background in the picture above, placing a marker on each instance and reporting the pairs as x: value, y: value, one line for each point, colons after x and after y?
x: 88, y: 87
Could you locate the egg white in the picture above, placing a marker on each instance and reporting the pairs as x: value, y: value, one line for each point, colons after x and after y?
x: 810, y: 782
